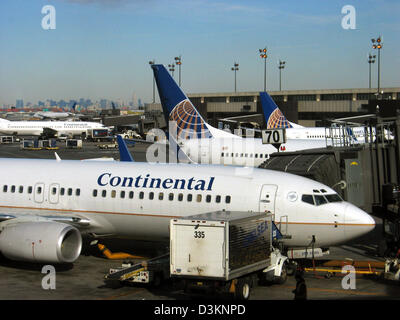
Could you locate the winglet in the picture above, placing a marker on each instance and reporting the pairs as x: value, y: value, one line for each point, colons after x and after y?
x: 57, y: 156
x: 124, y: 154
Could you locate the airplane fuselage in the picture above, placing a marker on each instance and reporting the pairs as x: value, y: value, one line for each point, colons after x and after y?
x: 241, y: 151
x: 35, y: 128
x: 358, y: 134
x: 137, y: 200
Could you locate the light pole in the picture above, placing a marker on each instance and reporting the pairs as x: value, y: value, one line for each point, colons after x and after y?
x: 154, y: 82
x: 371, y: 59
x: 235, y: 68
x: 377, y: 44
x: 281, y: 66
x: 172, y: 69
x: 178, y: 61
x: 263, y: 55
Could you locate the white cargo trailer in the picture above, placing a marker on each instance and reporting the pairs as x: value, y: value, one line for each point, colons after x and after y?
x: 225, y: 251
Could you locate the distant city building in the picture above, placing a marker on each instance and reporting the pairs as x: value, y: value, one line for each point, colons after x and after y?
x: 134, y: 101
x: 103, y: 103
x: 19, y: 104
x: 62, y: 104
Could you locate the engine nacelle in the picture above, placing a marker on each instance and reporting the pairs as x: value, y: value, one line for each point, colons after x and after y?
x: 41, y: 241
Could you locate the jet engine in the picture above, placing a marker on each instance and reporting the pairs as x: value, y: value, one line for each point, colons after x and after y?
x: 42, y: 241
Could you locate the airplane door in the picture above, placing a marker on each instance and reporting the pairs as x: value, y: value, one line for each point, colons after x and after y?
x: 267, y: 198
x: 39, y: 192
x: 54, y: 193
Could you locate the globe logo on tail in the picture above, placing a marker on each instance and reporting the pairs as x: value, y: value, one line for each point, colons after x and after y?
x: 189, y: 122
x: 277, y: 120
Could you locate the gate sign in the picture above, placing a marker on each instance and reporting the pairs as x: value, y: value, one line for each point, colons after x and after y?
x: 273, y: 136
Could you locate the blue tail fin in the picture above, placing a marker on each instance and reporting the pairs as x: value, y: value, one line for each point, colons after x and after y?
x: 351, y: 134
x: 124, y: 154
x: 274, y: 118
x: 177, y: 107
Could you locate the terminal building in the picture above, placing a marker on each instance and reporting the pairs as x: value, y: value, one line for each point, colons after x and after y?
x: 305, y: 107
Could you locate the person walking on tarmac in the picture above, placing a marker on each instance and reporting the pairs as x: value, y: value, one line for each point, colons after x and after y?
x: 300, y: 293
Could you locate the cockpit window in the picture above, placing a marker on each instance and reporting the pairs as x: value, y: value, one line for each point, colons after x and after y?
x: 319, y: 200
x: 333, y: 198
x: 307, y: 198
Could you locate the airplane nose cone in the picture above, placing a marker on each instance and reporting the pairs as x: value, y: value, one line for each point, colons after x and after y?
x: 357, y: 221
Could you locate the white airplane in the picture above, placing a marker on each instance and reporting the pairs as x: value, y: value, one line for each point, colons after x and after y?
x: 203, y: 143
x: 274, y: 118
x: 37, y: 128
x: 47, y: 205
x: 53, y: 115
x: 50, y: 115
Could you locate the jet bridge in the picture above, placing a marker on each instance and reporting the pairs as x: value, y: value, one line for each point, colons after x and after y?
x: 367, y: 175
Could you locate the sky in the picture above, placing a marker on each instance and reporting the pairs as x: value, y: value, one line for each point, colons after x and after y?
x: 100, y: 49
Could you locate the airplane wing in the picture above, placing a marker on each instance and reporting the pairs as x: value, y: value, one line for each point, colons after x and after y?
x: 67, y: 217
x: 356, y: 120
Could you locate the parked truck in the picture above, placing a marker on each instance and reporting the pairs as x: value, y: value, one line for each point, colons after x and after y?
x: 222, y: 251
x: 225, y: 252
x: 98, y: 135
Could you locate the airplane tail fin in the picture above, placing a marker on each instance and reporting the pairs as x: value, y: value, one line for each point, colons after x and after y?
x: 274, y: 117
x: 124, y: 154
x: 177, y: 107
x: 351, y: 134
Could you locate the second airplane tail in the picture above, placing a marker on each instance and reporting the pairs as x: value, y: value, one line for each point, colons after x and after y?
x: 274, y: 118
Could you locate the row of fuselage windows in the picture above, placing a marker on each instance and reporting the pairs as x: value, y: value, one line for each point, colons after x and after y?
x: 122, y: 194
x: 245, y: 155
x: 161, y: 196
x: 39, y: 190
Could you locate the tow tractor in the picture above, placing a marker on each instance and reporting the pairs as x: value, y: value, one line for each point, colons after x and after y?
x: 152, y: 271
x: 223, y: 251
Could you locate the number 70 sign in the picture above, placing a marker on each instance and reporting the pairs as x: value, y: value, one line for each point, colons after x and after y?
x: 273, y: 136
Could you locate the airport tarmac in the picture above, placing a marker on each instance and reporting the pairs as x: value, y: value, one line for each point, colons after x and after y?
x: 84, y: 280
